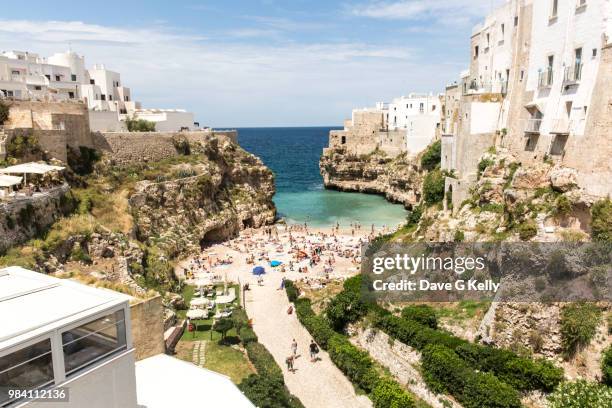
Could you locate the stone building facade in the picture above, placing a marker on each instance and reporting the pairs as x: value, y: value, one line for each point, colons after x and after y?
x: 537, y: 85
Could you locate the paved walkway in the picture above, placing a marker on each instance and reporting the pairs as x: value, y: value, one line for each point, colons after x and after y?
x: 317, y: 385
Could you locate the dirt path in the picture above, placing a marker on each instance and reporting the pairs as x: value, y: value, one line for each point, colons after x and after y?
x: 317, y: 385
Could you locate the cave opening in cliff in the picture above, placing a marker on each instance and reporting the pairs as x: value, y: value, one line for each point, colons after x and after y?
x: 214, y: 236
x: 248, y: 223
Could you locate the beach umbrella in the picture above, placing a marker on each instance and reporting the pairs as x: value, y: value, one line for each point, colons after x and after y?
x: 258, y: 270
x: 274, y: 264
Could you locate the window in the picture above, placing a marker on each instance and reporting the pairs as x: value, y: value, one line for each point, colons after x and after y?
x: 488, y: 39
x: 110, y: 97
x: 515, y: 21
x: 58, y: 78
x: 73, y: 77
x: 92, y: 82
x: 103, y: 97
x: 14, y: 72
x: 433, y: 108
x: 475, y: 52
x: 594, y: 52
x: 421, y: 107
x: 28, y: 368
x: 71, y: 95
x: 93, y: 341
x: 37, y: 87
x: 555, y: 9
x: 48, y: 77
x: 503, y: 29
x: 127, y: 98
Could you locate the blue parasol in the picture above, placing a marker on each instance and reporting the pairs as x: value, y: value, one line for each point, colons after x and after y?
x: 258, y: 270
x: 274, y: 264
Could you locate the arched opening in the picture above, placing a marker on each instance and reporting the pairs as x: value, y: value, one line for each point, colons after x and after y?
x: 214, y: 236
x: 343, y: 140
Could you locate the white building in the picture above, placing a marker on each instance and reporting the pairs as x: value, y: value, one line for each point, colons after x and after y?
x: 57, y: 334
x: 566, y: 42
x: 64, y: 76
x: 419, y: 116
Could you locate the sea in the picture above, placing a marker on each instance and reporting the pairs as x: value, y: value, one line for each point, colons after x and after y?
x: 293, y: 155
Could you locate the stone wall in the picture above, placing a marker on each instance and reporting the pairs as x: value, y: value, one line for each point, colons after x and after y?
x: 125, y: 148
x: 22, y: 219
x: 402, y: 361
x: 147, y: 318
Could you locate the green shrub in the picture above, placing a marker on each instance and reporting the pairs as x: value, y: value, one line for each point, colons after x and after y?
x: 601, y: 220
x: 433, y: 187
x: 414, y: 215
x: 4, y: 112
x: 415, y: 334
x: 579, y: 323
x: 606, y: 366
x: 262, y: 360
x: 521, y: 373
x: 563, y: 206
x: 354, y: 363
x: 459, y: 236
x: 268, y: 392
x: 445, y: 371
x: 389, y: 394
x: 78, y: 254
x: 431, y: 157
x: 22, y: 145
x: 83, y: 161
x: 527, y: 230
x: 139, y: 125
x: 483, y: 164
x: 423, y: 314
x: 580, y: 394
x: 348, y: 306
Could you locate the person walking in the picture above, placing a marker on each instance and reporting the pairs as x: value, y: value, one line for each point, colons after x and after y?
x: 289, y: 361
x: 314, y: 350
x: 294, y: 347
x: 282, y: 285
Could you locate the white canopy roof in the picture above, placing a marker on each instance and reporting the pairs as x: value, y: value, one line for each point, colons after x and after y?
x: 163, y: 381
x: 8, y: 181
x: 30, y: 168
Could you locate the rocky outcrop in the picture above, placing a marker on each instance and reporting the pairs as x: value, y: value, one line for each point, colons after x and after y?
x: 398, y: 179
x: 26, y: 217
x: 224, y: 192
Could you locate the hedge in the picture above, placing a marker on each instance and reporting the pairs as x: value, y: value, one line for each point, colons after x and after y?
x: 445, y: 371
x: 268, y: 392
x: 422, y: 314
x: 292, y: 292
x: 606, y: 366
x: 519, y: 372
x: 356, y: 364
x: 580, y: 394
x: 348, y: 306
x: 266, y: 389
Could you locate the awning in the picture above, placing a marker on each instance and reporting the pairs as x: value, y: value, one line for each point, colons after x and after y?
x: 30, y: 168
x: 8, y: 181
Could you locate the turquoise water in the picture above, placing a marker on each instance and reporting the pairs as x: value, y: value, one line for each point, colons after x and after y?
x: 293, y: 155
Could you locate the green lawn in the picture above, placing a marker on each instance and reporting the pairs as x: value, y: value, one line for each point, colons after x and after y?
x: 227, y: 360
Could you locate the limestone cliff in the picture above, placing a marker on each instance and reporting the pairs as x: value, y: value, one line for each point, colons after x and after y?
x: 228, y: 190
x: 399, y: 179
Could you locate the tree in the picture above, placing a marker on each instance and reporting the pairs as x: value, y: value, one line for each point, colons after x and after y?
x: 223, y: 326
x: 4, y: 112
x: 139, y: 125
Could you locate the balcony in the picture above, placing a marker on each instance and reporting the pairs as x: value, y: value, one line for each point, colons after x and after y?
x: 532, y: 126
x: 561, y: 126
x: 545, y: 78
x: 572, y: 74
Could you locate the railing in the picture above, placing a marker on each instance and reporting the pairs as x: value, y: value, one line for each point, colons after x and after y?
x: 561, y: 126
x: 545, y: 78
x: 497, y: 86
x: 533, y: 125
x: 572, y: 73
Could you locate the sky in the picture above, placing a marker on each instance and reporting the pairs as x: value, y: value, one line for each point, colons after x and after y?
x: 239, y: 63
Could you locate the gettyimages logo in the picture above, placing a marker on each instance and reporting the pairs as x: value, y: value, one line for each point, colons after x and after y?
x: 505, y: 272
